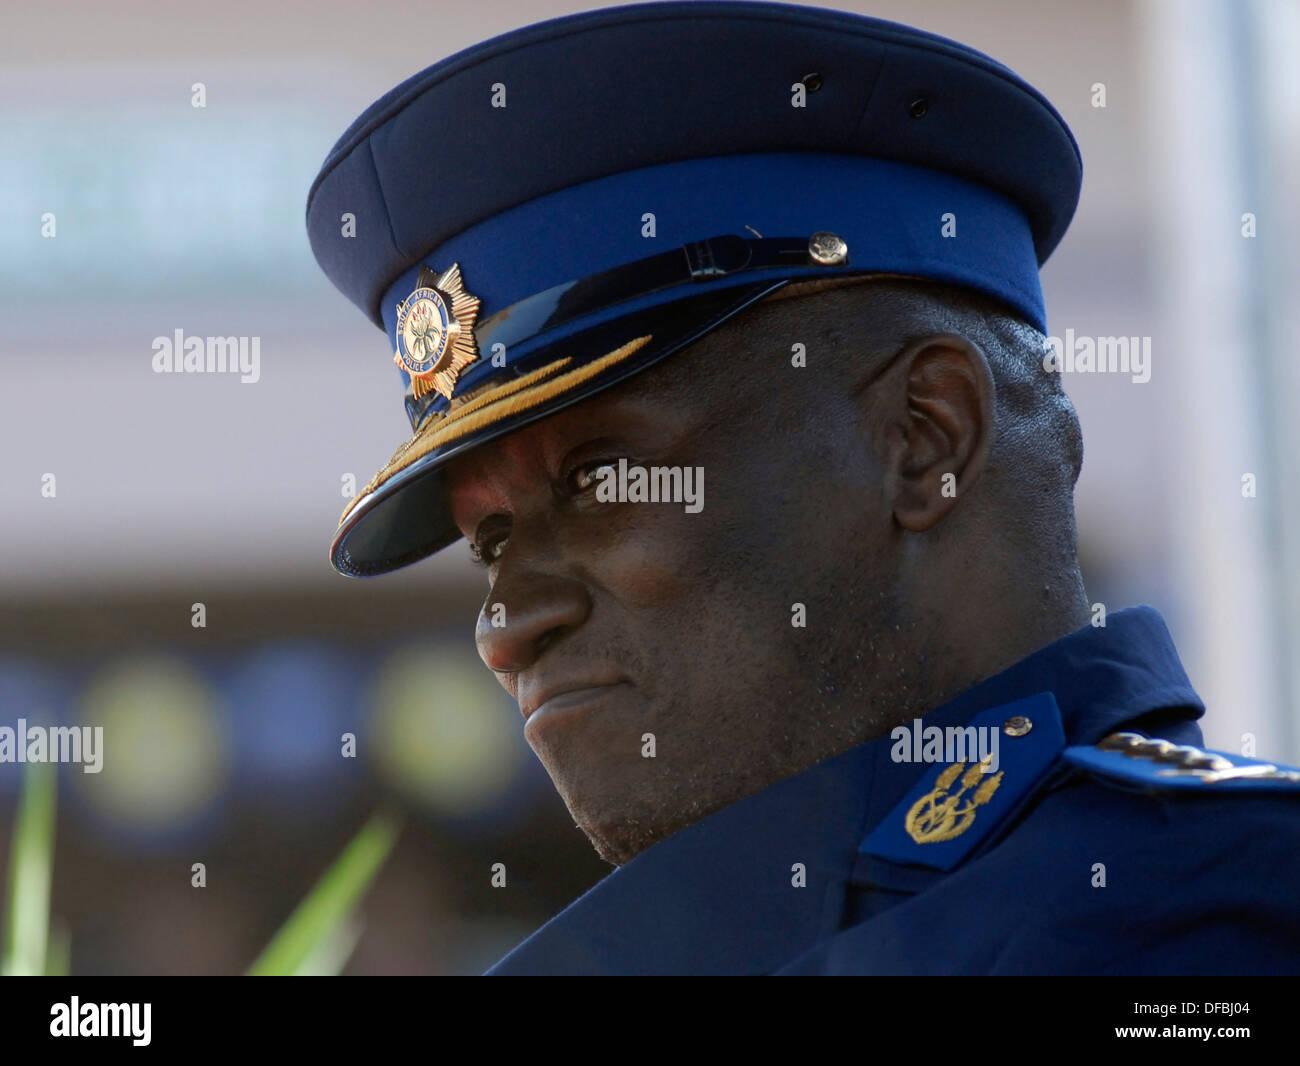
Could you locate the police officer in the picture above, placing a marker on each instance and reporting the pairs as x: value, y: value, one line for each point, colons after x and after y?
x: 722, y: 339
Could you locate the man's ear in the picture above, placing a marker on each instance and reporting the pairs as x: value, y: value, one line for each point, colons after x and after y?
x: 938, y: 428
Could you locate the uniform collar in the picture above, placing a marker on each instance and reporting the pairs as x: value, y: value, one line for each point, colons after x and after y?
x: 756, y: 883
x: 1129, y: 666
x: 1126, y: 672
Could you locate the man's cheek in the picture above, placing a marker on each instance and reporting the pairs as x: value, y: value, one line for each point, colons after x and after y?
x: 658, y: 561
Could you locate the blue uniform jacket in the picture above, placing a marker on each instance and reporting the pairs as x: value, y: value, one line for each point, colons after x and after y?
x: 1108, y: 844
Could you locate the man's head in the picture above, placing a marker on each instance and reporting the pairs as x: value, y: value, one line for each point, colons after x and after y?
x: 881, y: 527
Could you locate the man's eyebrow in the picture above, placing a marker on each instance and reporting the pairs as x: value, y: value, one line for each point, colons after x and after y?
x: 643, y: 402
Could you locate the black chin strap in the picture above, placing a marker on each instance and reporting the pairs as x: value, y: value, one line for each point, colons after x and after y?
x: 699, y: 261
x: 708, y: 260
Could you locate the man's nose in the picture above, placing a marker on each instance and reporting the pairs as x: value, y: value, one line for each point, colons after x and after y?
x: 524, y: 614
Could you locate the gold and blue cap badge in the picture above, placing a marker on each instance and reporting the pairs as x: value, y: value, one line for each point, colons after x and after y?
x: 435, y: 332
x: 748, y: 146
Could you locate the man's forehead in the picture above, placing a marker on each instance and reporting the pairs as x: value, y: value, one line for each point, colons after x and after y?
x: 668, y: 395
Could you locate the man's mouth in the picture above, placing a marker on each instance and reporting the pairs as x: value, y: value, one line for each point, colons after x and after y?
x: 564, y: 701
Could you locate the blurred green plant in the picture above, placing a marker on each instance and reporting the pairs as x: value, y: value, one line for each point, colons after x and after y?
x: 31, y: 860
x: 320, y: 935
x: 318, y: 938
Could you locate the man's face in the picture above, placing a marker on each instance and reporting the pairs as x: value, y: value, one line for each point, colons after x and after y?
x: 636, y: 627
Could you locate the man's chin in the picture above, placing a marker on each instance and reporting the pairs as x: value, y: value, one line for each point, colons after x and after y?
x: 619, y: 820
x: 615, y: 849
x: 623, y: 816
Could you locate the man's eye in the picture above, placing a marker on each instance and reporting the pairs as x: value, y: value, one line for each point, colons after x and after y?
x: 588, y: 475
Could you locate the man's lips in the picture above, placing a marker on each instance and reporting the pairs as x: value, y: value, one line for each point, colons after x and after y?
x: 562, y: 697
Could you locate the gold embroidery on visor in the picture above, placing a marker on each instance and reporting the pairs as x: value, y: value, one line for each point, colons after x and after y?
x: 489, y: 405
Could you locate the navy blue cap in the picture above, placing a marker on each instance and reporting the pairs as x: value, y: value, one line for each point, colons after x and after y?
x: 549, y: 212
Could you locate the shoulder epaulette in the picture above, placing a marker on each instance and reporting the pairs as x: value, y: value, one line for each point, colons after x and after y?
x: 1149, y: 763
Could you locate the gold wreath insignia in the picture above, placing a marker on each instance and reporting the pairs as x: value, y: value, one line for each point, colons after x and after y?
x: 940, y: 815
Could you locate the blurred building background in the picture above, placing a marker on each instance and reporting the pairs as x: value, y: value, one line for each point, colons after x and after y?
x: 173, y: 490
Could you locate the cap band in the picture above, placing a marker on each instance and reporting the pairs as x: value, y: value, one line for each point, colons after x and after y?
x: 895, y: 218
